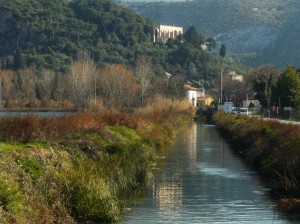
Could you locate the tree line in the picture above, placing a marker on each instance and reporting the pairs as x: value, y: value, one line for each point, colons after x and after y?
x: 52, y: 35
x: 267, y: 84
x: 87, y: 85
x: 275, y: 88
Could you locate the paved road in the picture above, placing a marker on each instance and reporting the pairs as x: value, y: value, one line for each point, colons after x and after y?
x: 283, y: 121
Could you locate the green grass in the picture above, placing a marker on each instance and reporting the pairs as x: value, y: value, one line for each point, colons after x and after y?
x: 31, y: 166
x: 124, y: 134
x: 10, y: 197
x: 4, y: 146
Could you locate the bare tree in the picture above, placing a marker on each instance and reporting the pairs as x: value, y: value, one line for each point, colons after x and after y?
x: 25, y: 82
x: 81, y: 77
x: 7, y: 88
x: 116, y: 86
x: 143, y: 76
x: 46, y: 84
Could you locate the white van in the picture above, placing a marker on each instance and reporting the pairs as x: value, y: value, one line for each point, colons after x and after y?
x: 243, y: 111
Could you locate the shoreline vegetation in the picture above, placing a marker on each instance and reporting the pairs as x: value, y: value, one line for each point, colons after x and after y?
x: 272, y: 149
x: 84, y: 167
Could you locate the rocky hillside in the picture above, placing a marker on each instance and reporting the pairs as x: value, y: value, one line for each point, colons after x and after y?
x: 256, y: 32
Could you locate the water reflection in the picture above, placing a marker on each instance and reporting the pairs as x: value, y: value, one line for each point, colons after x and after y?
x: 204, y: 182
x: 223, y: 172
x: 168, y: 198
x: 191, y: 147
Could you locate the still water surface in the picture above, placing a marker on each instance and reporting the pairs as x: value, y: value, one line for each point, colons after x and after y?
x: 50, y: 114
x: 202, y: 181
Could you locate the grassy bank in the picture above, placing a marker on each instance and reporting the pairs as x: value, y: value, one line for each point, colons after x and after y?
x: 84, y: 167
x: 270, y: 147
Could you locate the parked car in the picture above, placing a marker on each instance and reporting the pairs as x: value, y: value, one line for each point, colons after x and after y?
x: 234, y: 110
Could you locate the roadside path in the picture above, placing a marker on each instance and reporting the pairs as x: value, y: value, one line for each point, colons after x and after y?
x: 283, y: 121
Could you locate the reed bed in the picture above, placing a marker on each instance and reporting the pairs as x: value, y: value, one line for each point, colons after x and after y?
x: 33, y: 128
x: 160, y: 109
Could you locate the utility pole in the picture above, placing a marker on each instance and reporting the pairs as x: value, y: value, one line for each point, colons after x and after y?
x: 222, y: 54
x: 221, y: 82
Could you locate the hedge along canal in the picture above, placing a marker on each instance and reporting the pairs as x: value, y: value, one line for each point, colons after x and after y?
x: 271, y: 148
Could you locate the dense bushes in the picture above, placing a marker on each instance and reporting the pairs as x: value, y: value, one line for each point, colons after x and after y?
x: 80, y: 167
x: 271, y: 147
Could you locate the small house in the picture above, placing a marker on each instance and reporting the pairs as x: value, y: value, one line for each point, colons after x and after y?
x: 193, y: 94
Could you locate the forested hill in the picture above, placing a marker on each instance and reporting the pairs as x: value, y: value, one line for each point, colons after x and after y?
x: 52, y: 33
x: 256, y: 31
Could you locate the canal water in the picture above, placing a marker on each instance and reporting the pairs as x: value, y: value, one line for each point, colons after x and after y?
x: 203, y: 181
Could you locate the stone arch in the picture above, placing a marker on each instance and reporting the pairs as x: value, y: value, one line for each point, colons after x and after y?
x: 175, y: 33
x: 163, y: 32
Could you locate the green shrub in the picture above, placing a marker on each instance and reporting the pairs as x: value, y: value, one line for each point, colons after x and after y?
x: 269, y: 132
x: 282, y: 165
x: 127, y: 171
x: 116, y: 148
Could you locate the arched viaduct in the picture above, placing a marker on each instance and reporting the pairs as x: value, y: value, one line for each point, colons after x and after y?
x: 163, y: 32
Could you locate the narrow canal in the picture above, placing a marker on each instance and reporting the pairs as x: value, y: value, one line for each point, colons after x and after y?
x: 202, y: 181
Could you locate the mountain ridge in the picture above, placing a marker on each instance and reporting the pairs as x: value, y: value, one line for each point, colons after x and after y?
x: 253, y: 31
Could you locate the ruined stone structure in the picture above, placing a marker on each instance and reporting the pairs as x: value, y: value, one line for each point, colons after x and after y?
x: 162, y: 33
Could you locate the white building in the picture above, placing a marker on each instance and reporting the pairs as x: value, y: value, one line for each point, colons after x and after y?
x: 194, y: 93
x: 163, y: 32
x: 235, y: 76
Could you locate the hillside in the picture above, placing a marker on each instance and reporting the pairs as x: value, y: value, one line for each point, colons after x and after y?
x: 255, y: 32
x: 52, y: 33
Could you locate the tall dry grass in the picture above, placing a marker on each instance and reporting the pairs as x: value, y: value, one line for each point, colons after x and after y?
x: 160, y: 109
x: 95, y: 105
x: 32, y: 128
x: 166, y: 116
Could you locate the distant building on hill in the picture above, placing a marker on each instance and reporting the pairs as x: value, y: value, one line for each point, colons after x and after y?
x: 163, y: 32
x: 235, y: 76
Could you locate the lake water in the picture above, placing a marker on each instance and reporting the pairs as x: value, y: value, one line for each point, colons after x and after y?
x: 203, y: 181
x: 50, y: 114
